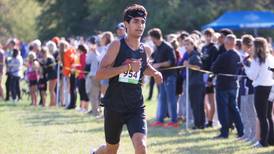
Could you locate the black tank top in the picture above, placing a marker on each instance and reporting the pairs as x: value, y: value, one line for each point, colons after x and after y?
x: 124, y: 97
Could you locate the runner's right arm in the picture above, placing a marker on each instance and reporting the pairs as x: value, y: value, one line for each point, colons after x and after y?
x: 106, y: 69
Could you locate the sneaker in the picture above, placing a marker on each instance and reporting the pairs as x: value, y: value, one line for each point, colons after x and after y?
x: 92, y: 151
x: 70, y: 107
x: 220, y: 137
x: 172, y: 124
x: 14, y: 101
x: 257, y: 145
x: 242, y: 138
x: 99, y: 117
x: 209, y: 124
x: 181, y: 119
x: 232, y: 127
x: 78, y: 109
x: 90, y: 112
x: 84, y: 110
x: 252, y: 141
x: 157, y: 124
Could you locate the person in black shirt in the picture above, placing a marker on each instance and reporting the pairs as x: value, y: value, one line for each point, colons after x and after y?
x: 165, y: 57
x: 210, y: 53
x: 224, y: 32
x: 51, y: 73
x: 125, y: 64
x: 227, y: 88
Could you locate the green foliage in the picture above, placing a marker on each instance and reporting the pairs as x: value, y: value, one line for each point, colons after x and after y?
x: 18, y: 19
x: 36, y: 130
x: 63, y: 18
x: 28, y: 19
x: 84, y: 17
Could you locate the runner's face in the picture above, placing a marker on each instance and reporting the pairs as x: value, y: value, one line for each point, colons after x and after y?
x: 136, y: 26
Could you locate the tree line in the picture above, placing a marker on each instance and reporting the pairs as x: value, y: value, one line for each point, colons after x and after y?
x: 48, y: 18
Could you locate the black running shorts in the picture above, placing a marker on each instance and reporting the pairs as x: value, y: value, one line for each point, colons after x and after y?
x: 114, y: 121
x: 209, y: 90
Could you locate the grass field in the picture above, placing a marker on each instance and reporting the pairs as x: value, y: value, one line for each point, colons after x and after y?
x: 28, y: 130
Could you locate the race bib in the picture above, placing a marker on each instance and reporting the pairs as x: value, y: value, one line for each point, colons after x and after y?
x: 130, y: 77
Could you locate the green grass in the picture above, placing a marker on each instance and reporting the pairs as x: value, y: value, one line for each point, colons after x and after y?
x: 29, y: 130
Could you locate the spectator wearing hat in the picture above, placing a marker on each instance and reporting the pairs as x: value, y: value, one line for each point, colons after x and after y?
x: 221, y: 40
x: 121, y: 30
x: 92, y: 85
x: 224, y: 32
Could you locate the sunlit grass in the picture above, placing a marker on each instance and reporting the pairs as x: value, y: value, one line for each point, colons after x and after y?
x: 29, y: 130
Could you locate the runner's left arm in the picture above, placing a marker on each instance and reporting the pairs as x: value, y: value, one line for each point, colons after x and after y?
x: 150, y: 71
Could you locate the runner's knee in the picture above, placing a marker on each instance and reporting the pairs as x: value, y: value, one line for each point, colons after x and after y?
x: 112, y: 148
x: 139, y: 141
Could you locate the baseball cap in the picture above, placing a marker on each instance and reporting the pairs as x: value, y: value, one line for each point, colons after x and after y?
x: 93, y: 39
x: 121, y: 25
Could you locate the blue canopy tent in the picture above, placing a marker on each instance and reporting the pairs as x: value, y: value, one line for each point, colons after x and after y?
x: 237, y: 20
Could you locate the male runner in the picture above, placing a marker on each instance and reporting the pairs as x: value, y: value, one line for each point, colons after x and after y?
x: 125, y: 64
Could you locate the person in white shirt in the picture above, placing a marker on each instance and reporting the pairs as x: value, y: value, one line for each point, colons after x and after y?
x: 248, y: 113
x: 15, y: 67
x: 93, y: 85
x: 262, y: 78
x: 107, y: 38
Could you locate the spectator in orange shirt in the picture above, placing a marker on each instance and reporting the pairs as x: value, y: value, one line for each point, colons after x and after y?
x: 65, y: 53
x: 69, y: 60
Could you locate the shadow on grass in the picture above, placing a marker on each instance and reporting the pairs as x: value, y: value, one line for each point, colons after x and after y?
x: 189, y: 141
x: 76, y: 131
x: 49, y: 119
x: 7, y: 104
x: 44, y: 116
x: 210, y: 148
x: 198, y: 144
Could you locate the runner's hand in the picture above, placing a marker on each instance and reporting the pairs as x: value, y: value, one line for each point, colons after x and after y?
x: 135, y: 65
